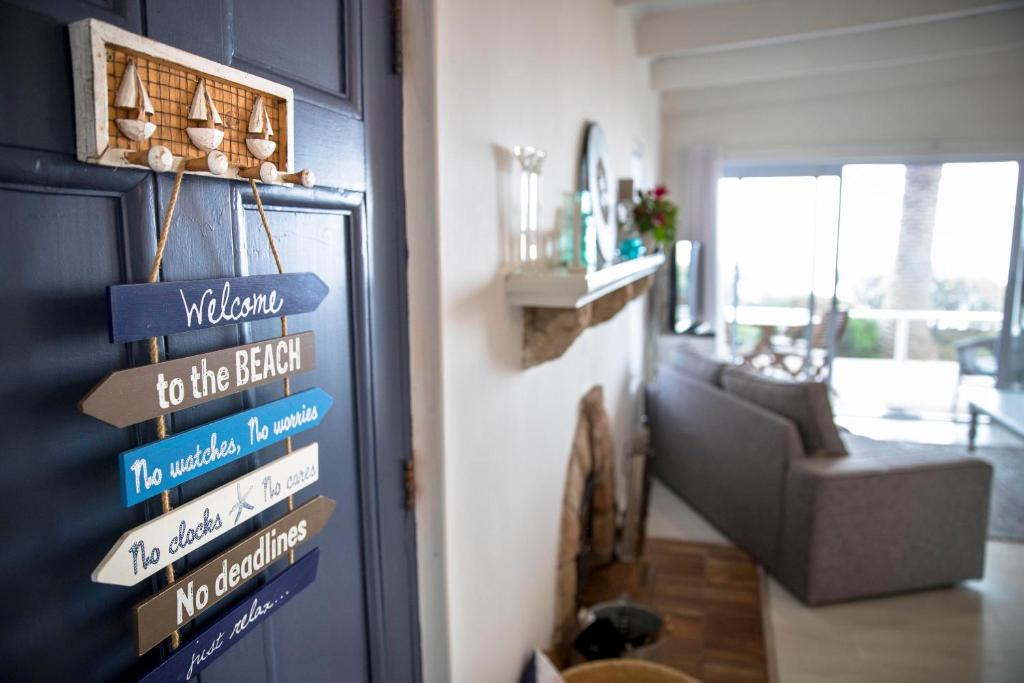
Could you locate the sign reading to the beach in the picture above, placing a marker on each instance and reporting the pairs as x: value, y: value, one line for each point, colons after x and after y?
x: 201, y: 651
x: 148, y: 470
x: 161, y: 308
x: 126, y: 397
x: 150, y: 547
x: 158, y: 616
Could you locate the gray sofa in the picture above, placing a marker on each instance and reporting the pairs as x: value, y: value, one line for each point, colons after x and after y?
x: 884, y: 518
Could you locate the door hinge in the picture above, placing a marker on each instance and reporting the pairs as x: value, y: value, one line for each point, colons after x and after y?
x: 396, y: 36
x: 410, y: 483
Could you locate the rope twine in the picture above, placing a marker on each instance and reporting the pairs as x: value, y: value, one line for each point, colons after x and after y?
x: 154, y: 345
x: 284, y: 324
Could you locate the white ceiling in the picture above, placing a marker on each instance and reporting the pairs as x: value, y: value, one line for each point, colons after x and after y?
x: 696, y: 45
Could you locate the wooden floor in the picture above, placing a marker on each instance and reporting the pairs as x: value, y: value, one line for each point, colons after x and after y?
x: 711, y: 597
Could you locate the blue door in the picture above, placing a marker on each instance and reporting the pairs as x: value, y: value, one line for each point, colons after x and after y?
x: 72, y: 229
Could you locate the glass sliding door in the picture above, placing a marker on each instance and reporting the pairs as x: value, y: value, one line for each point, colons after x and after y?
x: 777, y: 242
x: 887, y: 280
x: 923, y: 256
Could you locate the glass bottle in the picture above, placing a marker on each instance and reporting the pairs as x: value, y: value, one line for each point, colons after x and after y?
x: 528, y: 186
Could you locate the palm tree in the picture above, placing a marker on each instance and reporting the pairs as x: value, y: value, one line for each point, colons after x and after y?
x: 913, y: 282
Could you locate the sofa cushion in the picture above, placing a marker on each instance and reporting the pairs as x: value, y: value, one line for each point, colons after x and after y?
x: 697, y: 365
x: 805, y: 403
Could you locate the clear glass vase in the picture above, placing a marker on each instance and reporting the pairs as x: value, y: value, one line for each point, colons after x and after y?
x: 528, y: 248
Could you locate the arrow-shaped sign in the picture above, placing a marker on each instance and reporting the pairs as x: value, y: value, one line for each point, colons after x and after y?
x: 148, y: 470
x: 129, y: 396
x: 160, y: 308
x: 150, y: 547
x: 159, y: 615
x: 201, y: 651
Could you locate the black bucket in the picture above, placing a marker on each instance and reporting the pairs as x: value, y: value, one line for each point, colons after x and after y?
x: 615, y: 629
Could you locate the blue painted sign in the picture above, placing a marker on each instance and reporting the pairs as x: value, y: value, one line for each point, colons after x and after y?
x: 202, y: 650
x: 151, y: 469
x: 156, y: 309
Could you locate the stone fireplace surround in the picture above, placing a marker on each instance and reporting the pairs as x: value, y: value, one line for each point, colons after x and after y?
x: 588, y: 514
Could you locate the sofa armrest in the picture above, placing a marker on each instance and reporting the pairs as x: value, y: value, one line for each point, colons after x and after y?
x: 723, y: 455
x: 862, y: 526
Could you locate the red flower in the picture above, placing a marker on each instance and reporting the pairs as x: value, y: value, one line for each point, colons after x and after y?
x: 660, y: 191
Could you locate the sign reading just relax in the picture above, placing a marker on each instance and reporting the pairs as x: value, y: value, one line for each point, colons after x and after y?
x: 235, y: 624
x: 157, y: 309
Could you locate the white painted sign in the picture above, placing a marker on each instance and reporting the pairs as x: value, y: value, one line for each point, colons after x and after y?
x: 150, y: 547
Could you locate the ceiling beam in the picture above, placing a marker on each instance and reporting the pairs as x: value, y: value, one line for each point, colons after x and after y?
x: 746, y: 24
x: 1001, y: 64
x: 839, y: 54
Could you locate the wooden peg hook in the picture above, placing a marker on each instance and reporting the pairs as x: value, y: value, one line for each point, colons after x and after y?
x: 215, y: 162
x: 157, y: 157
x: 266, y: 172
x: 305, y: 177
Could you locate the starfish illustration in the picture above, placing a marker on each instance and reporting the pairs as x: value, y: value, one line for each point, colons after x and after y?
x: 242, y: 503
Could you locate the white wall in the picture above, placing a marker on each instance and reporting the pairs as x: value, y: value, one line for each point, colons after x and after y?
x: 492, y: 439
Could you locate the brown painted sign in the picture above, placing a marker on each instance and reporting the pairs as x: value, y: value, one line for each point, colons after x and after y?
x: 126, y: 397
x: 159, y: 615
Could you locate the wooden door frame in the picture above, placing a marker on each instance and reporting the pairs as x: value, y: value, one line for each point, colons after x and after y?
x: 380, y: 286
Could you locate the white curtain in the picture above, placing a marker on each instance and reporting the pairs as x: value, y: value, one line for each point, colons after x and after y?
x: 697, y: 192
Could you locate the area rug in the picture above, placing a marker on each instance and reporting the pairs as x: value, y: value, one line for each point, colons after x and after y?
x: 1006, y: 510
x: 711, y: 596
x: 1006, y: 514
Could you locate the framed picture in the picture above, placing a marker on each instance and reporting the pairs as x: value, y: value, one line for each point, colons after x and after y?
x: 598, y: 179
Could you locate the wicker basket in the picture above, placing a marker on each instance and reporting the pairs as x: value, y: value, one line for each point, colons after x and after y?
x: 625, y: 671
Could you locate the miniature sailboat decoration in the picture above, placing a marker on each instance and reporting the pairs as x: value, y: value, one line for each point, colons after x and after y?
x: 260, y: 131
x: 132, y: 95
x: 207, y: 137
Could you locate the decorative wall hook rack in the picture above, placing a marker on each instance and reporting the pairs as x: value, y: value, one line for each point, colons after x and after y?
x: 141, y: 103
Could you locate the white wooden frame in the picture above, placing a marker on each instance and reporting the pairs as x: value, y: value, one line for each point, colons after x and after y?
x: 89, y: 40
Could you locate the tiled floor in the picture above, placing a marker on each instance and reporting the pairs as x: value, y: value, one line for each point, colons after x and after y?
x: 970, y: 634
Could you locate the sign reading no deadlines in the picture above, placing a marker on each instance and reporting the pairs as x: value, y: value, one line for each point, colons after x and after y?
x: 160, y: 308
x: 162, y: 613
x: 126, y: 397
x: 150, y: 547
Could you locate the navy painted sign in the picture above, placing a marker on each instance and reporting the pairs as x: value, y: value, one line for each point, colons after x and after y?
x: 156, y: 309
x: 202, y: 650
x: 148, y: 470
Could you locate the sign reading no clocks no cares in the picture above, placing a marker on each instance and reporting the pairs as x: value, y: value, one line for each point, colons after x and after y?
x: 157, y: 309
x: 150, y: 547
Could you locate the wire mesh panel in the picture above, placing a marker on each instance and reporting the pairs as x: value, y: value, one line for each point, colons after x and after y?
x: 171, y: 88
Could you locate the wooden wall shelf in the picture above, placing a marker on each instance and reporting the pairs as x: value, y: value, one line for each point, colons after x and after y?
x: 558, y: 306
x: 560, y: 288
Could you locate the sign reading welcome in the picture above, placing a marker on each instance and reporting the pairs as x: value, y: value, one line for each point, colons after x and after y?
x: 126, y: 397
x: 150, y: 547
x: 149, y: 470
x: 161, y: 308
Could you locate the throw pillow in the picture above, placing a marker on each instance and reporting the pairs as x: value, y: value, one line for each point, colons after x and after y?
x: 805, y: 403
x: 697, y: 365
